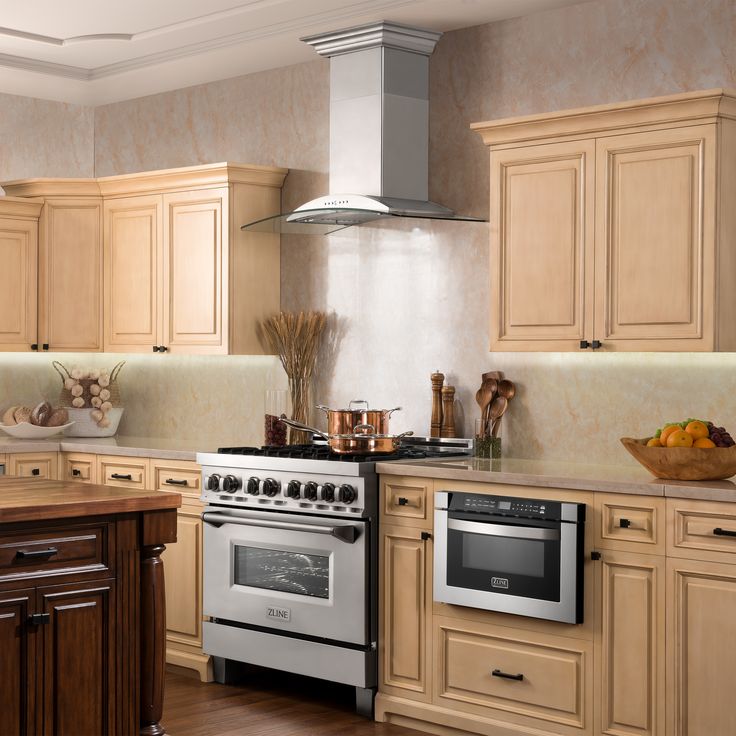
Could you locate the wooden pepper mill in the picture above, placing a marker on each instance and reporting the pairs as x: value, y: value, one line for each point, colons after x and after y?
x: 448, y: 412
x: 436, y: 422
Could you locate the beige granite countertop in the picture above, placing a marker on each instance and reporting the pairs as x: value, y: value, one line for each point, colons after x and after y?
x: 549, y: 474
x: 165, y: 449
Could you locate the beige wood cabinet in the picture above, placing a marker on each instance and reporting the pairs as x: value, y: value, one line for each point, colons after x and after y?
x: 34, y: 465
x: 69, y: 298
x: 611, y: 226
x: 78, y: 466
x: 180, y: 275
x: 19, y: 273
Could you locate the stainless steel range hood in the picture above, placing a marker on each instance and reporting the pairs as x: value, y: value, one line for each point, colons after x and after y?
x: 379, y: 131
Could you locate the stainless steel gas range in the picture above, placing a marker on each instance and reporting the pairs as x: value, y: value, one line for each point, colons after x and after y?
x: 290, y: 560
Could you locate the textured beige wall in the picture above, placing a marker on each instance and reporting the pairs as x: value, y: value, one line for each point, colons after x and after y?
x: 44, y: 138
x: 408, y: 302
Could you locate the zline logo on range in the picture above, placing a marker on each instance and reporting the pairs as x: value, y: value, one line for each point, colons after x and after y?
x: 280, y: 614
x: 500, y: 583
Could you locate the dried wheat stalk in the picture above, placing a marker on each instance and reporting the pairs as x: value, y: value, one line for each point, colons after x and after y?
x: 296, y: 339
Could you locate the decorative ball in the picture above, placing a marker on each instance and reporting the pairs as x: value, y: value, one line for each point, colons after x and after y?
x: 96, y: 414
x: 104, y: 422
x: 78, y: 402
x: 106, y: 406
x: 94, y: 374
x: 96, y: 401
x: 77, y: 390
x: 104, y: 394
x: 69, y: 383
x: 104, y: 380
x: 94, y: 389
x: 76, y: 373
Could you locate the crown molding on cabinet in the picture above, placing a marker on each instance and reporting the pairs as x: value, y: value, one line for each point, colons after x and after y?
x: 17, y: 208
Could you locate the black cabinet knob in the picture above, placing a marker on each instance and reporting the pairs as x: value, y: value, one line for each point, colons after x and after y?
x: 155, y: 348
x: 45, y: 346
x: 34, y: 346
x: 584, y: 344
x: 624, y: 523
x: 425, y: 536
x: 596, y: 344
x: 162, y: 348
x: 36, y: 471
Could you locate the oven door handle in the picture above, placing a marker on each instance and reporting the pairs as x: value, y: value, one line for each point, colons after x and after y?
x: 345, y: 533
x: 502, y: 530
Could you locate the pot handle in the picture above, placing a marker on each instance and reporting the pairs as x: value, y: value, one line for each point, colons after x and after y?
x: 358, y: 401
x: 364, y: 429
x: 325, y: 409
x: 304, y: 427
x: 397, y: 439
x: 389, y: 412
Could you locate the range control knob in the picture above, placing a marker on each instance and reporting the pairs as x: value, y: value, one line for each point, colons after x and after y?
x: 293, y: 490
x: 212, y: 482
x: 230, y: 484
x: 270, y: 487
x: 347, y: 494
x: 310, y: 491
x: 252, y: 486
x: 328, y: 492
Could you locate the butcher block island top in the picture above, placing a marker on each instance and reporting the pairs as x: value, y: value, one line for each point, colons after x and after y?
x: 82, y: 607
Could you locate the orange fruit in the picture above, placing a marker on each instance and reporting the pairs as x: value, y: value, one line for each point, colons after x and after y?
x: 654, y: 442
x: 703, y: 442
x: 679, y: 438
x: 667, y: 431
x: 697, y: 429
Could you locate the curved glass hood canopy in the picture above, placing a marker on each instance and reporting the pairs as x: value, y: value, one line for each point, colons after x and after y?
x: 379, y: 132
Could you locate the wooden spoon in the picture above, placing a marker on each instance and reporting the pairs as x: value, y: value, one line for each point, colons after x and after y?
x: 484, y: 397
x: 507, y: 389
x: 497, y: 410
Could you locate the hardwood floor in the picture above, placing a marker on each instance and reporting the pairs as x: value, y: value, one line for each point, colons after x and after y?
x: 266, y: 704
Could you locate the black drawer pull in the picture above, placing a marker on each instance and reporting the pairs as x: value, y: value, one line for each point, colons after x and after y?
x: 596, y: 344
x: 507, y: 676
x: 425, y: 536
x: 36, y: 471
x: 122, y: 476
x: 174, y: 482
x: 45, y: 346
x: 38, y: 619
x: 723, y: 532
x: 403, y: 501
x: 624, y: 523
x: 76, y: 472
x: 23, y: 554
x: 584, y: 344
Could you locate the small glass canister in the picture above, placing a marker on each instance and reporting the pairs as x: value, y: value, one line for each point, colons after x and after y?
x: 485, y: 445
x: 274, y: 431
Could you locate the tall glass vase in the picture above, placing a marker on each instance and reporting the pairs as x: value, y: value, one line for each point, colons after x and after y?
x: 299, y: 390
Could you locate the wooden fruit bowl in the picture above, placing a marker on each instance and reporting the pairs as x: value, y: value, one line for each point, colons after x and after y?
x: 684, y: 463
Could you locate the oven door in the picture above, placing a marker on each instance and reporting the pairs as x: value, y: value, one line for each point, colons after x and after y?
x: 508, y: 565
x: 294, y: 573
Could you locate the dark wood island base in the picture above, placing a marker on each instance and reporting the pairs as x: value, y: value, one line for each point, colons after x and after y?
x: 82, y: 609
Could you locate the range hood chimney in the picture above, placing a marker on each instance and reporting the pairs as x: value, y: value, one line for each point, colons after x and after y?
x: 379, y: 131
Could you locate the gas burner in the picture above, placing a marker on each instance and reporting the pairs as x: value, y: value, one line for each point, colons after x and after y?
x: 322, y: 452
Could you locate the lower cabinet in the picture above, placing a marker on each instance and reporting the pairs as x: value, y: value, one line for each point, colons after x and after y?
x: 51, y: 637
x: 34, y: 465
x: 78, y: 466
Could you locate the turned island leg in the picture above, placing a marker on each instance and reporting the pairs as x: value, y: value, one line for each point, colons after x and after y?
x: 153, y: 640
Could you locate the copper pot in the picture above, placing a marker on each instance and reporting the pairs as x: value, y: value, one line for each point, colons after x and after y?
x: 344, y: 421
x: 361, y: 441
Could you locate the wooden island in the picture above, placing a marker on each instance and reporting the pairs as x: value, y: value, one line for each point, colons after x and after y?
x: 82, y: 611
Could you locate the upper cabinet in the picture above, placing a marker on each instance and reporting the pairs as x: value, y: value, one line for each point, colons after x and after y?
x: 142, y: 262
x: 612, y: 227
x: 180, y: 275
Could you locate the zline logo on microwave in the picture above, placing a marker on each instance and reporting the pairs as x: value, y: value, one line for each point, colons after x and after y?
x: 500, y: 583
x: 280, y: 614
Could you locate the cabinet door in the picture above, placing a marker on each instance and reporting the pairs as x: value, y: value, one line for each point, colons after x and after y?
x: 132, y: 257
x: 195, y: 271
x: 630, y: 644
x: 542, y: 246
x: 701, y: 666
x: 70, y: 275
x: 655, y: 240
x: 78, y: 658
x: 17, y: 664
x: 405, y: 601
x: 18, y: 283
x: 34, y: 465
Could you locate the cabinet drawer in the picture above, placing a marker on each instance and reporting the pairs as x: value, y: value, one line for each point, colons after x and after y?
x: 78, y: 466
x: 702, y: 530
x: 122, y: 472
x: 630, y: 523
x: 34, y: 465
x: 406, y: 499
x: 184, y: 477
x: 513, y: 674
x: 56, y: 550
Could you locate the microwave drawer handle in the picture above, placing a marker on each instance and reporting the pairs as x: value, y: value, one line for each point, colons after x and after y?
x: 344, y: 533
x: 502, y: 530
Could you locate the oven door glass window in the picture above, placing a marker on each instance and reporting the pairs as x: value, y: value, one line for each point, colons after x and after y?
x: 288, y: 572
x: 504, y: 558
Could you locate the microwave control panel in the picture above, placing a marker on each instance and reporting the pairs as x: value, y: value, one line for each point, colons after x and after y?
x: 530, y: 508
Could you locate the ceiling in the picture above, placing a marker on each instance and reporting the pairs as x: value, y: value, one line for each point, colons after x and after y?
x: 97, y: 52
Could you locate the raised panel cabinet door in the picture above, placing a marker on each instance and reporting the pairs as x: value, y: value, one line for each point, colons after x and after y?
x: 70, y: 275
x: 701, y: 636
x: 78, y: 658
x: 542, y: 246
x: 630, y: 644
x: 18, y: 283
x: 655, y: 240
x: 195, y: 269
x: 34, y: 465
x: 403, y: 655
x: 132, y: 265
x: 17, y: 664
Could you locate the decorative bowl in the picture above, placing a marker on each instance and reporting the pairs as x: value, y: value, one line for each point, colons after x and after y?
x: 28, y: 431
x: 684, y: 463
x: 85, y: 426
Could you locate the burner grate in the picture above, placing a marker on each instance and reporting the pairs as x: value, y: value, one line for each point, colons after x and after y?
x: 322, y: 452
